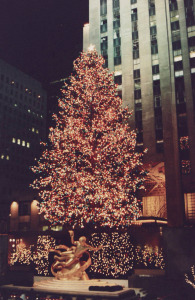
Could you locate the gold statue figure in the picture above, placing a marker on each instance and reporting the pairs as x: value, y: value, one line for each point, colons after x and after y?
x: 68, y: 264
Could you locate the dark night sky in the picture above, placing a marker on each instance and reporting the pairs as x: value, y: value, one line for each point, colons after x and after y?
x: 42, y: 37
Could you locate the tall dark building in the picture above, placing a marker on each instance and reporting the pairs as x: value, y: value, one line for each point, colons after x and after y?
x: 150, y: 47
x: 22, y: 127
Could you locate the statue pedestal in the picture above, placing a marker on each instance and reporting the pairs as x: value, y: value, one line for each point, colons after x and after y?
x: 71, y: 290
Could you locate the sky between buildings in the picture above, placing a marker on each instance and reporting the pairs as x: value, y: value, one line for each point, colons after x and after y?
x: 42, y: 37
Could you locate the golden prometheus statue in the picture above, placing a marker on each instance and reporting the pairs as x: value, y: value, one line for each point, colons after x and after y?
x: 68, y: 264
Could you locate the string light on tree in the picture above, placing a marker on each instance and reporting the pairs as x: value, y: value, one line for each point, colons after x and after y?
x: 115, y: 258
x: 23, y: 255
x: 90, y: 172
x: 40, y: 258
x: 149, y: 257
x: 26, y: 255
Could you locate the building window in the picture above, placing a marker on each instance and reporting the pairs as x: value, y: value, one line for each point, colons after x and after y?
x: 155, y: 69
x: 154, y: 206
x: 117, y: 60
x: 116, y: 4
x: 178, y: 65
x: 182, y: 125
x: 176, y: 45
x: 158, y: 120
x: 118, y: 79
x: 189, y: 10
x: 139, y: 138
x: 133, y: 1
x: 117, y: 51
x: 117, y: 39
x: 134, y: 15
x: 156, y: 87
x: 137, y: 94
x: 157, y: 101
x: 192, y: 62
x: 137, y: 84
x: 135, y: 54
x: 138, y: 121
x: 103, y: 7
x: 190, y: 206
x: 154, y: 48
x: 159, y: 135
x: 104, y: 43
x: 103, y: 26
x: 119, y: 94
x: 173, y: 5
x: 191, y: 44
x: 105, y: 65
x: 175, y: 25
x: 153, y: 30
x: 135, y: 35
x: 136, y: 73
x: 116, y: 24
x: 179, y: 90
x: 24, y: 208
x: 152, y: 11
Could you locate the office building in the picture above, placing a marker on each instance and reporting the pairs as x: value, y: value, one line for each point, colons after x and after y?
x: 22, y: 127
x: 150, y: 47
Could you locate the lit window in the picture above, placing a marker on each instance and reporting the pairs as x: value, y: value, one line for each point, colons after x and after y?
x: 179, y: 73
x: 45, y: 228
x: 18, y: 141
x: 190, y: 206
x: 33, y: 130
x: 156, y: 77
x: 37, y: 131
x: 178, y: 58
x: 28, y: 145
x: 13, y: 140
x: 23, y: 143
x: 2, y: 156
x: 56, y: 228
x: 154, y: 206
x: 192, y: 54
x: 7, y: 157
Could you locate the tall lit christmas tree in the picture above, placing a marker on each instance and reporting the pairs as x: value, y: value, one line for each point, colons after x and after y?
x: 91, y: 171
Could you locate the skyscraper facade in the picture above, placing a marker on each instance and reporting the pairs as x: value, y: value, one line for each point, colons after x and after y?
x: 149, y: 45
x: 22, y: 126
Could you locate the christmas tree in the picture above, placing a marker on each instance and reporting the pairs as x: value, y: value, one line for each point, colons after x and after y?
x: 90, y: 172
